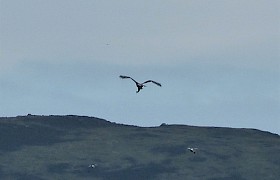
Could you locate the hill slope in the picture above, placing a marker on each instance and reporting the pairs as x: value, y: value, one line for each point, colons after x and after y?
x: 62, y: 147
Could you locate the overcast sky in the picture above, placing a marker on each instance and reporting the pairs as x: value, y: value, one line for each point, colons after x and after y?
x: 218, y: 61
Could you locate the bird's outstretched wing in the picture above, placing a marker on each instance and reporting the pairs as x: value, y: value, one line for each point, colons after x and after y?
x: 192, y: 148
x: 152, y: 82
x: 127, y: 77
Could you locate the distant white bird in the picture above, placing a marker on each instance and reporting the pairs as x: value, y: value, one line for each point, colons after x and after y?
x: 140, y: 85
x: 193, y: 150
x: 92, y: 165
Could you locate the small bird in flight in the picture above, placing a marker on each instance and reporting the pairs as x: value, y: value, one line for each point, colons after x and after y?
x: 193, y: 150
x: 140, y: 85
x: 92, y: 165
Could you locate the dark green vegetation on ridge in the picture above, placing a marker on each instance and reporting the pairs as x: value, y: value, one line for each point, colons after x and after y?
x: 62, y: 147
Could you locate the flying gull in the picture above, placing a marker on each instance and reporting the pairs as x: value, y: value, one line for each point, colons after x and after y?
x: 193, y: 150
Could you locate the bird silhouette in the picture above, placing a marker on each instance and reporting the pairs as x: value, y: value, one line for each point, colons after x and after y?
x: 139, y: 85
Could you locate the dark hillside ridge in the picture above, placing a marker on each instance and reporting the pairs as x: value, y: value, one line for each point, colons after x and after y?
x: 63, y: 147
x: 74, y: 121
x: 62, y: 121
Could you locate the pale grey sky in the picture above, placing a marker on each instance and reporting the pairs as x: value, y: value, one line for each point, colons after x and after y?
x: 218, y: 61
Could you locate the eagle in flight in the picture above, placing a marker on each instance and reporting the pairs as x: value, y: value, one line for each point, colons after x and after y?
x: 139, y: 85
